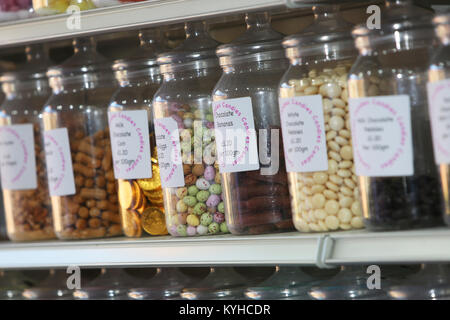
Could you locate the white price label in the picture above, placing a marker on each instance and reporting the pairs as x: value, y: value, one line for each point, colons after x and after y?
x: 235, y: 135
x: 59, y: 162
x: 381, y: 134
x: 17, y: 157
x: 303, y: 130
x: 169, y: 153
x: 439, y: 108
x: 130, y: 144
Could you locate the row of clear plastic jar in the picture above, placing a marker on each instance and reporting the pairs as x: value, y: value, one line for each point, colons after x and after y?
x: 427, y: 282
x: 219, y: 164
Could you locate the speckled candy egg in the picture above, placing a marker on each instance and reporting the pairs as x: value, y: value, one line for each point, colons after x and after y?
x: 182, y: 218
x: 213, y: 228
x: 224, y: 227
x: 173, y: 230
x: 193, y: 220
x: 200, y: 208
x: 191, y: 231
x: 209, y: 173
x: 202, y: 230
x: 219, y: 217
x: 215, y: 188
x: 181, y: 229
x: 206, y: 219
x: 213, y: 200
x: 202, y: 184
x: 221, y: 207
x: 202, y: 196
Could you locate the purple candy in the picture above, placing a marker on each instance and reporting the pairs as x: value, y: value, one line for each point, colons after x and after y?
x: 191, y: 231
x: 210, y: 125
x: 213, y: 200
x: 209, y: 173
x: 219, y: 217
x: 173, y: 230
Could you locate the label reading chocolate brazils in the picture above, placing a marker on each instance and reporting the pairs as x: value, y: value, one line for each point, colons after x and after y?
x: 382, y: 136
x: 17, y: 157
x: 169, y: 153
x: 439, y: 109
x: 235, y: 135
x: 59, y: 162
x: 303, y: 131
x: 130, y: 144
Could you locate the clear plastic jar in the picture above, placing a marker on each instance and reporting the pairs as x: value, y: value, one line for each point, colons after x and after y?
x: 398, y: 180
x: 78, y: 151
x: 49, y: 7
x: 246, y: 113
x: 24, y: 180
x: 184, y: 130
x: 133, y: 139
x: 438, y: 102
x: 314, y: 104
x: 12, y: 10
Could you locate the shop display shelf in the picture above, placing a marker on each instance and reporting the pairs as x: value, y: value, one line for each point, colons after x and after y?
x: 123, y: 17
x: 321, y: 249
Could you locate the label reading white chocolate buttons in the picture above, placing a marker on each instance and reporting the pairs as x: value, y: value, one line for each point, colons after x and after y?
x: 59, y: 162
x: 17, y: 157
x: 303, y: 131
x: 235, y: 135
x: 169, y: 153
x: 381, y: 132
x: 130, y: 144
x: 439, y: 108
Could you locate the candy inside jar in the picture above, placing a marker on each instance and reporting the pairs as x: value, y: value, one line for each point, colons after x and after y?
x: 199, y: 205
x: 184, y: 131
x: 314, y: 103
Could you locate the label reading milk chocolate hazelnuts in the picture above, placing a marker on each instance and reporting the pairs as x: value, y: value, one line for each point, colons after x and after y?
x: 235, y: 135
x: 59, y: 162
x: 381, y: 134
x: 17, y: 157
x: 303, y: 131
x: 130, y: 144
x: 169, y: 153
x: 439, y: 108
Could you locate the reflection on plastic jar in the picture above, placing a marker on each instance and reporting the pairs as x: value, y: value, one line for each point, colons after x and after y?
x: 438, y: 97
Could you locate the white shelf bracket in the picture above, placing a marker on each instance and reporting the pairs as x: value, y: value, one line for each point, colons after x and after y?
x: 324, y: 249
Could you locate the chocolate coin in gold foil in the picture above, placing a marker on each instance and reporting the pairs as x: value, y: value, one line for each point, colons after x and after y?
x: 144, y: 204
x: 153, y: 221
x: 126, y: 193
x: 131, y: 223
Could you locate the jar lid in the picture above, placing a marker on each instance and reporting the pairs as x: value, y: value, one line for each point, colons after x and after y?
x: 85, y: 60
x: 398, y: 16
x: 259, y: 42
x: 196, y: 52
x: 150, y: 45
x: 329, y: 34
x: 35, y: 67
